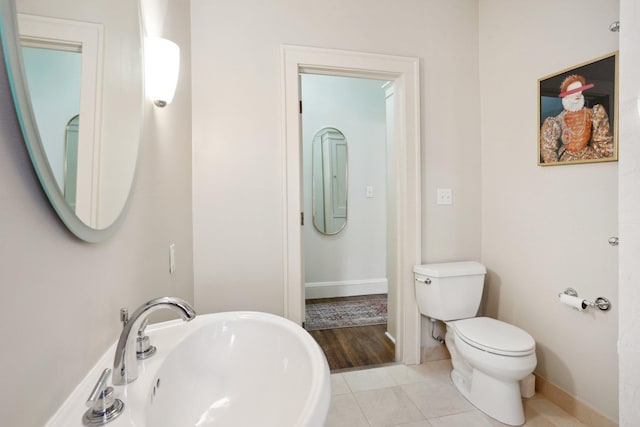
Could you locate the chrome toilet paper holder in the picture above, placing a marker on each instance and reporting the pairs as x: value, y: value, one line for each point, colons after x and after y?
x: 601, y: 302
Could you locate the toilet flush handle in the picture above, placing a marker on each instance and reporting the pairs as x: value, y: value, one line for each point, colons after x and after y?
x: 426, y: 280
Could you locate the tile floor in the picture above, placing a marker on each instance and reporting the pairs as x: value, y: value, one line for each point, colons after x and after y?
x: 420, y: 396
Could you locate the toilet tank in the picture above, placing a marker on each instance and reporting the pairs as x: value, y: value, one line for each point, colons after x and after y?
x: 449, y: 291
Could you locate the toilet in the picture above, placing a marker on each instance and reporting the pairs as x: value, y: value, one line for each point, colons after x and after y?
x: 490, y: 358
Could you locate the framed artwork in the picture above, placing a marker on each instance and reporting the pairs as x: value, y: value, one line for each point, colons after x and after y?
x: 578, y: 114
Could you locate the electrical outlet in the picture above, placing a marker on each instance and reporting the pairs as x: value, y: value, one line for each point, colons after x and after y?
x: 445, y: 196
x: 369, y: 191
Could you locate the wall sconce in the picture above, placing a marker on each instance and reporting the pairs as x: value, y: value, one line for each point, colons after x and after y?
x: 162, y: 66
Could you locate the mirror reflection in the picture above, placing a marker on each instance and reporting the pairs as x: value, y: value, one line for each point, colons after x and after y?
x: 70, y: 167
x: 80, y: 70
x: 329, y: 192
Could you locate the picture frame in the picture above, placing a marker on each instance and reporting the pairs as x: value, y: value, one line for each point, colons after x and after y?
x: 578, y: 116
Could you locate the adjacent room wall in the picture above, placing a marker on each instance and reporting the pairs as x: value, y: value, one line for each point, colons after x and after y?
x: 61, y: 297
x: 546, y: 228
x: 238, y: 182
x: 357, y: 254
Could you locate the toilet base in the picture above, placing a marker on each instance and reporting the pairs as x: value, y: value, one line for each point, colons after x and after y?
x: 499, y: 399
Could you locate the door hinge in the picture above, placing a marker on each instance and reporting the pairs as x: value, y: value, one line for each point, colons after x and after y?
x: 300, y: 106
x: 301, y: 218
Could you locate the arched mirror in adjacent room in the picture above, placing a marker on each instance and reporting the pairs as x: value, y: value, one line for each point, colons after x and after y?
x: 330, y: 180
x: 70, y: 168
x: 69, y: 58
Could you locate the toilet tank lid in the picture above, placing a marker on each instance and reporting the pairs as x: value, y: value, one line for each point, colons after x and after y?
x: 449, y: 269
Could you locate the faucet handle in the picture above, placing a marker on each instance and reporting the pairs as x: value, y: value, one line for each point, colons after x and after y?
x: 99, y: 388
x: 142, y: 327
x: 144, y: 348
x: 103, y: 406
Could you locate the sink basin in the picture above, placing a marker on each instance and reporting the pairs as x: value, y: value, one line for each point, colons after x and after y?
x: 223, y: 369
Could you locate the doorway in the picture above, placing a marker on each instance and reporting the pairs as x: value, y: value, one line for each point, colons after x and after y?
x: 346, y: 204
x: 403, y: 72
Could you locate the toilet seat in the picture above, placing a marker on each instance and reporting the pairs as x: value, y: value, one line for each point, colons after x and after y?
x: 494, y: 336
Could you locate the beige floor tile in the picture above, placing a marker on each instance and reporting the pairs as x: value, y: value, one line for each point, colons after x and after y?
x: 339, y: 385
x: 436, y: 400
x: 466, y: 419
x: 387, y: 407
x: 438, y: 371
x: 368, y: 379
x: 423, y: 423
x: 403, y: 374
x: 551, y: 412
x: 420, y: 396
x: 443, y: 365
x: 344, y: 411
x: 532, y: 419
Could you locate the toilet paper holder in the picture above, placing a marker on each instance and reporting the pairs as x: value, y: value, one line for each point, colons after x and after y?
x: 601, y: 302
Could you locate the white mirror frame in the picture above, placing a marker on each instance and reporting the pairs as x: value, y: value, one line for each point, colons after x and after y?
x: 17, y: 81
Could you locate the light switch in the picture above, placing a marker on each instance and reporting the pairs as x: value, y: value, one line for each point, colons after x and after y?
x: 172, y: 258
x: 445, y: 196
x: 369, y: 191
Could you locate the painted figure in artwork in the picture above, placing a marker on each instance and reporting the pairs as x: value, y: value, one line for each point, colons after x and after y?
x: 578, y: 132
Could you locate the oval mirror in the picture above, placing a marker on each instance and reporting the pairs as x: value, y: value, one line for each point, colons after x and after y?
x: 329, y: 177
x: 75, y: 70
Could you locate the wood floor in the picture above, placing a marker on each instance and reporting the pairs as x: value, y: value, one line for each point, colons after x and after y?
x: 354, y: 347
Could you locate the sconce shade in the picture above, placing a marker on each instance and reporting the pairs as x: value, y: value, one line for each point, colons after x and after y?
x: 162, y: 67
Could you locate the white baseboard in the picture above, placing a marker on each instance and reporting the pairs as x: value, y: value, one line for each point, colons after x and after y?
x: 346, y: 288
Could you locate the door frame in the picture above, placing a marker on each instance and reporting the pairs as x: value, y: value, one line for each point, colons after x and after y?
x: 404, y: 72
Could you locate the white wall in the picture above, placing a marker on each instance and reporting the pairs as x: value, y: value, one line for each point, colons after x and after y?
x: 545, y: 229
x: 238, y: 182
x: 356, y: 107
x: 60, y: 296
x: 629, y: 215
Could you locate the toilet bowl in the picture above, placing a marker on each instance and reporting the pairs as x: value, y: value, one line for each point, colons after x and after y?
x: 492, y: 357
x: 489, y: 357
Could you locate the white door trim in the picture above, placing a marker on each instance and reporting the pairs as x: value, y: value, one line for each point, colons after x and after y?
x: 404, y: 72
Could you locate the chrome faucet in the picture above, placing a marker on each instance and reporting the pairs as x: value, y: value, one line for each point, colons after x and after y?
x: 125, y: 368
